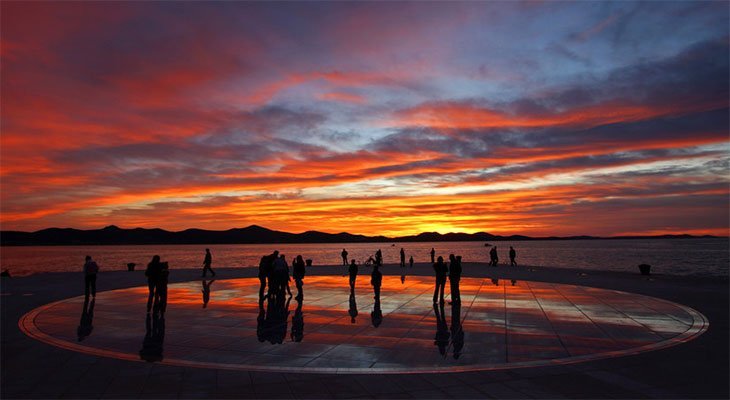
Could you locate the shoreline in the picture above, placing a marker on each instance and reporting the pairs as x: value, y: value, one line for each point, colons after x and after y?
x: 418, y: 269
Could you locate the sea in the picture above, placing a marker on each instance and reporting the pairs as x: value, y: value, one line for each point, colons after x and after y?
x: 708, y: 257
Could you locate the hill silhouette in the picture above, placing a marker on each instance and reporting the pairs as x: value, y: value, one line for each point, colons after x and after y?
x: 254, y: 234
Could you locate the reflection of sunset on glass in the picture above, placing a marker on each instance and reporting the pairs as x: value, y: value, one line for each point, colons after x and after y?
x: 510, y: 118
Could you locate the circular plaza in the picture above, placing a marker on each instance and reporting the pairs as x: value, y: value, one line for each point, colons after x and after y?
x: 499, y: 324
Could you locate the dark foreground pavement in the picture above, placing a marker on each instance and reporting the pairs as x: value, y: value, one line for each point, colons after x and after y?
x: 697, y: 369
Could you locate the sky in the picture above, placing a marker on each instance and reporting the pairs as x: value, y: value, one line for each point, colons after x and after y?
x: 535, y: 118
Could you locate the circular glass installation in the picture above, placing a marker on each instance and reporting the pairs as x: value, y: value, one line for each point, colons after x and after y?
x: 497, y: 324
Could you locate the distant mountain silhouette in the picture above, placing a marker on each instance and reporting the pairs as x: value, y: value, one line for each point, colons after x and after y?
x: 254, y: 234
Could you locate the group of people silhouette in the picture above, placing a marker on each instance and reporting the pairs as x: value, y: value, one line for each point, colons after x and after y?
x: 494, y: 258
x: 274, y: 277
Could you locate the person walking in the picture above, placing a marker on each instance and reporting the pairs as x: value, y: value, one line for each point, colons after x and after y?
x: 344, y: 257
x: 441, y: 270
x: 298, y: 270
x: 455, y: 277
x: 153, y: 275
x: 433, y: 254
x: 265, y: 266
x: 90, y: 271
x: 207, y: 262
x: 512, y: 255
x: 402, y: 258
x: 353, y: 274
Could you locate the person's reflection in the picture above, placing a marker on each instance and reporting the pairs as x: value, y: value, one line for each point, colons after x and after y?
x: 353, y: 307
x: 206, y: 291
x: 495, y: 281
x: 514, y: 282
x: 154, y: 338
x: 403, y: 279
x: 87, y: 318
x: 442, y: 329
x: 377, y: 315
x: 261, y: 322
x: 457, y: 332
x: 277, y: 316
x: 297, y: 321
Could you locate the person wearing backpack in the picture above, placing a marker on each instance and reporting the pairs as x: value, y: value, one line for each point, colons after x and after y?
x: 90, y: 271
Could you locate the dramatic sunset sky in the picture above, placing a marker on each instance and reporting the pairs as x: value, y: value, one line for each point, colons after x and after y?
x: 375, y: 118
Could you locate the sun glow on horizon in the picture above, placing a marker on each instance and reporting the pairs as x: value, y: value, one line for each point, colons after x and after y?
x: 228, y: 116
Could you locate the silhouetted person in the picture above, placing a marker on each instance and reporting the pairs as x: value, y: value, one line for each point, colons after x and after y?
x: 298, y: 271
x: 457, y: 332
x: 442, y: 329
x: 344, y: 257
x: 353, y: 307
x: 90, y: 271
x: 402, y: 258
x: 87, y: 318
x: 281, y: 275
x: 206, y: 292
x: 297, y: 322
x: 433, y: 254
x: 494, y: 259
x: 440, y: 270
x: 352, y: 270
x: 410, y: 262
x: 378, y: 257
x: 153, y: 339
x: 161, y: 289
x: 153, y: 275
x: 376, y: 317
x: 455, y: 277
x: 512, y: 255
x: 207, y: 263
x: 376, y: 279
x: 265, y: 266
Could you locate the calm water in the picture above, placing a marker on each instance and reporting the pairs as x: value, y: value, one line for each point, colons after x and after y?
x: 707, y: 257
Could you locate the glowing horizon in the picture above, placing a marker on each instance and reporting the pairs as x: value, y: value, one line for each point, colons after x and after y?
x: 540, y: 119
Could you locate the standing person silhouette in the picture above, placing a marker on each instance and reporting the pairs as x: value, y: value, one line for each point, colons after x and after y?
x: 353, y: 274
x: 402, y: 258
x: 344, y: 257
x: 378, y: 257
x: 298, y: 271
x: 410, y: 262
x: 441, y: 270
x: 512, y: 255
x: 153, y: 275
x: 90, y: 271
x: 207, y: 262
x: 433, y: 254
x: 455, y: 277
x: 265, y: 272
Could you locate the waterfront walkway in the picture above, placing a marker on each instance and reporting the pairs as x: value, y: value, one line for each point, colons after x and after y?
x: 339, y: 359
